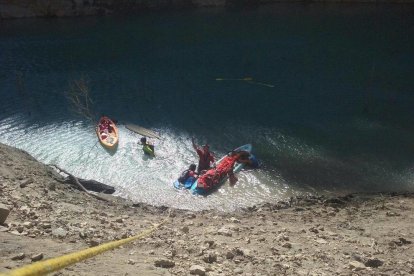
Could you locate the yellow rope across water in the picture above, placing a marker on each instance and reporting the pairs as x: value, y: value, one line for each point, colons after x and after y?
x: 54, y: 264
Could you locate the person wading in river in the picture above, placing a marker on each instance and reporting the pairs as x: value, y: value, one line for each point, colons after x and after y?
x: 206, y: 158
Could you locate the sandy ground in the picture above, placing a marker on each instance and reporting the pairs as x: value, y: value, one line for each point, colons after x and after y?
x: 349, y: 235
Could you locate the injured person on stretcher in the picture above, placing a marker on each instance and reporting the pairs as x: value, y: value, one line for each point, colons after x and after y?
x: 215, y: 175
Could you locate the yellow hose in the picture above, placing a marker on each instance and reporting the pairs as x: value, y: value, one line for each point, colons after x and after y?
x: 54, y: 264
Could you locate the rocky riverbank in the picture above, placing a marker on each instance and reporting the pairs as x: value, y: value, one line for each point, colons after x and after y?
x: 62, y: 8
x: 350, y: 235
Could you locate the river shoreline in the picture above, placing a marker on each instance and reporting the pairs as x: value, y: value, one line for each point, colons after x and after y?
x: 359, y: 234
x: 65, y: 8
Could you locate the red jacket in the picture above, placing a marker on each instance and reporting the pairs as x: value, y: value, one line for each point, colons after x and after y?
x: 213, y: 177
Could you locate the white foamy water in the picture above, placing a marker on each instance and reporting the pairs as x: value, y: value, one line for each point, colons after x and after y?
x: 74, y: 147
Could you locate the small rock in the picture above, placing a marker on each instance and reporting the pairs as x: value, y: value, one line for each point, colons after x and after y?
x: 185, y: 229
x: 234, y: 220
x: 210, y: 243
x: 59, y: 232
x: 197, y: 270
x: 321, y: 241
x: 210, y: 257
x: 4, y: 213
x: 374, y: 263
x: 52, y: 186
x: 83, y: 234
x: 132, y: 262
x: 36, y: 257
x: 19, y: 256
x: 28, y: 224
x: 26, y: 182
x: 287, y: 245
x: 402, y: 241
x: 238, y: 270
x: 93, y: 243
x: 392, y: 214
x: 224, y: 232
x: 356, y: 265
x: 230, y: 255
x: 46, y: 225
x: 164, y: 263
x: 20, y: 228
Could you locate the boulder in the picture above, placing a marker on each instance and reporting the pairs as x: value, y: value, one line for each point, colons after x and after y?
x: 93, y: 185
x: 4, y: 213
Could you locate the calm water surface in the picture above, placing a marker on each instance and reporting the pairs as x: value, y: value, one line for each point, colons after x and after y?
x: 328, y: 110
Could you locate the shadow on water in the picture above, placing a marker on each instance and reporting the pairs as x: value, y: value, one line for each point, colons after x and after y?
x: 147, y: 157
x: 111, y: 151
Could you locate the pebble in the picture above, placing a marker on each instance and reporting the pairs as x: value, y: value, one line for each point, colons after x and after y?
x: 374, y: 263
x: 210, y: 257
x: 59, y: 232
x: 26, y: 182
x: 36, y: 257
x: 356, y: 265
x: 164, y: 263
x: 287, y: 245
x: 238, y: 270
x: 224, y: 232
x: 132, y: 262
x: 19, y: 256
x: 321, y: 241
x: 197, y: 270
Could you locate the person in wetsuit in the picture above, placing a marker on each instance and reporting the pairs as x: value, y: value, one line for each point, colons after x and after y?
x: 147, y: 147
x: 206, y: 158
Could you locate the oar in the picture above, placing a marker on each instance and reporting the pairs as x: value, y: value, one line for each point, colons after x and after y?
x: 246, y: 79
x: 243, y: 79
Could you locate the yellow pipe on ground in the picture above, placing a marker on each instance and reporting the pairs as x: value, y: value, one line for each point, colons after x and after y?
x: 54, y: 264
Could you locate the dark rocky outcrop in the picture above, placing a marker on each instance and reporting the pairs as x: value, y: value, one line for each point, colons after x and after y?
x: 60, y: 8
x: 93, y: 185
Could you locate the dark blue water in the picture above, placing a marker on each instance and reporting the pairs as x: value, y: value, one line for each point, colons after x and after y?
x: 323, y: 92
